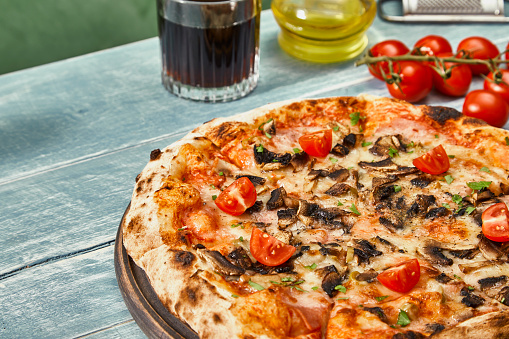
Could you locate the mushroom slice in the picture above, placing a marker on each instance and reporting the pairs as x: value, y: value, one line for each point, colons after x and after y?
x: 315, y: 173
x: 240, y: 258
x: 276, y: 200
x: 366, y: 276
x: 340, y: 150
x: 434, y: 254
x: 384, y: 144
x: 391, y: 223
x: 480, y: 197
x: 286, y: 217
x: 437, y: 213
x: 490, y: 285
x: 268, y: 160
x: 257, y: 181
x: 220, y: 263
x: 422, y: 181
x: 385, y: 164
x: 383, y: 192
x: 503, y: 295
x: 332, y: 278
x: 379, y: 181
x: 471, y: 267
x: 339, y: 188
x: 492, y: 250
x: 269, y: 127
x: 339, y: 175
x: 299, y: 161
x: 350, y: 140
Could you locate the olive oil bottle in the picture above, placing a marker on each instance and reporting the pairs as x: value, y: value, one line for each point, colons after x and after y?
x: 323, y: 30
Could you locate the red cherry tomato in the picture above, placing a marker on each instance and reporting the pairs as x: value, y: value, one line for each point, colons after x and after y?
x: 495, y: 222
x: 385, y: 48
x: 432, y: 45
x: 502, y: 88
x: 317, y: 144
x: 237, y: 197
x: 487, y: 106
x: 435, y: 161
x: 401, y: 278
x: 458, y: 82
x: 268, y: 250
x: 507, y: 53
x: 416, y: 81
x: 478, y: 48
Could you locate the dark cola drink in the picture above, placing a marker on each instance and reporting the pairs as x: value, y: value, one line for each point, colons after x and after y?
x: 209, y: 49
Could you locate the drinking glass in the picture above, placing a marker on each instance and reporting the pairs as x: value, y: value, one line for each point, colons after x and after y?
x: 210, y: 49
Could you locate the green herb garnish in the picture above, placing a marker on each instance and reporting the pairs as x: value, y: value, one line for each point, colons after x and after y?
x: 234, y: 296
x: 296, y: 151
x: 214, y: 197
x: 403, y: 319
x: 259, y: 149
x: 393, y: 152
x: 366, y: 143
x: 485, y: 169
x: 343, y: 298
x: 314, y: 288
x: 507, y: 141
x: 451, y: 156
x: 355, y: 117
x: 255, y: 285
x: 333, y: 160
x: 446, y: 205
x: 354, y: 209
x: 340, y: 288
x: 397, y: 188
x: 449, y: 179
x: 335, y: 128
x: 311, y: 267
x: 457, y: 199
x: 340, y: 203
x: 268, y: 135
x: 470, y: 209
x: 478, y: 185
x: 383, y: 297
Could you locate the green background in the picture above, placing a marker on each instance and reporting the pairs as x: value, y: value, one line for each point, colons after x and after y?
x: 35, y: 32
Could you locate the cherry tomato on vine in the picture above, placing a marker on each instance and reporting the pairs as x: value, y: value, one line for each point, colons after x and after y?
x: 268, y: 250
x: 237, y: 197
x: 385, y: 48
x: 487, y: 106
x: 432, y: 45
x: 416, y: 81
x: 317, y: 144
x: 459, y: 79
x: 478, y: 48
x: 502, y: 88
x: 495, y: 222
x: 435, y: 161
x: 401, y: 278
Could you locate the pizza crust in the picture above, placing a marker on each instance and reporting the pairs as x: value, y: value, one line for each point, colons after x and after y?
x: 179, y: 275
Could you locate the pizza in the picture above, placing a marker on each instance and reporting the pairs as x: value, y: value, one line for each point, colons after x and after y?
x: 345, y: 217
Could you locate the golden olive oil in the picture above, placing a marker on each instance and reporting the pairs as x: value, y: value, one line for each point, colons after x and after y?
x: 323, y: 30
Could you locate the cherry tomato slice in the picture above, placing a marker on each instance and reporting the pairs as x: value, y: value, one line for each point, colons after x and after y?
x: 495, y: 222
x: 401, y: 278
x: 385, y: 48
x: 501, y: 88
x: 487, y: 106
x: 268, y: 250
x: 416, y: 81
x: 458, y: 82
x: 478, y: 48
x: 237, y: 197
x: 435, y: 161
x: 317, y: 144
x: 432, y: 45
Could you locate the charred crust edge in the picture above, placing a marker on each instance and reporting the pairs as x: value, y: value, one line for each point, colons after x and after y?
x: 441, y: 114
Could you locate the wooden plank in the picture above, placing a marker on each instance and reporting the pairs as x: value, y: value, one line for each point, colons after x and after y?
x: 125, y: 330
x: 68, y: 210
x: 68, y: 111
x: 66, y: 298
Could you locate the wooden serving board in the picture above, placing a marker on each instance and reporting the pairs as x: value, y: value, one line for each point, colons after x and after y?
x: 141, y: 300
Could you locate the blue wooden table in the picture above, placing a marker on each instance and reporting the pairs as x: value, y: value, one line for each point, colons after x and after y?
x: 73, y: 137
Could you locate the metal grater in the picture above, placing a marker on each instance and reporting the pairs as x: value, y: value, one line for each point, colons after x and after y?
x: 447, y: 11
